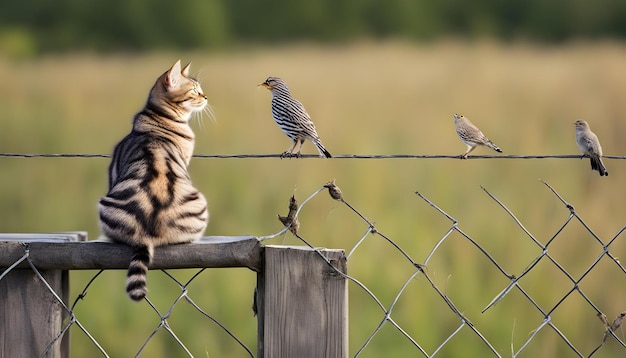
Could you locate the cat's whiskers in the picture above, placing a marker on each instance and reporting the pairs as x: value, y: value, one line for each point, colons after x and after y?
x: 208, y: 110
x: 198, y: 117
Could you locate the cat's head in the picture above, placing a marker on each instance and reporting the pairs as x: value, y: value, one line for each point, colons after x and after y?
x: 177, y: 91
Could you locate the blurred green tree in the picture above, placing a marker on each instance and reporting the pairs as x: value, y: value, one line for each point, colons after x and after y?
x: 143, y: 24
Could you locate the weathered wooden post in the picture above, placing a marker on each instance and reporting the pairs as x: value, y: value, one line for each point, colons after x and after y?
x: 302, y: 303
x: 30, y: 316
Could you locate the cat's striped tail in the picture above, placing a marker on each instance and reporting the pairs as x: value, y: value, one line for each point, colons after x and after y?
x: 137, y: 271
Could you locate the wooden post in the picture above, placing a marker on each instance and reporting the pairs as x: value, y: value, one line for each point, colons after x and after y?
x: 302, y: 304
x: 30, y: 316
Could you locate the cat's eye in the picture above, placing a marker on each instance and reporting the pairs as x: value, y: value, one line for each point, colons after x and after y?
x: 195, y: 91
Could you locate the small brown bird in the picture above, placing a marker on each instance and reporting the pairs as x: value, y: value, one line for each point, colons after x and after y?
x: 291, y: 219
x: 617, y: 322
x: 589, y: 144
x: 471, y: 135
x: 334, y: 190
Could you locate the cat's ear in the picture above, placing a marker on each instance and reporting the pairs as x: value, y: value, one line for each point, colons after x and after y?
x: 185, y: 70
x: 173, y: 75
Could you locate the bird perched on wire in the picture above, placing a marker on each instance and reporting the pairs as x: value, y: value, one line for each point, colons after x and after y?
x: 617, y: 322
x: 292, y: 118
x: 471, y: 135
x: 334, y: 190
x: 589, y: 144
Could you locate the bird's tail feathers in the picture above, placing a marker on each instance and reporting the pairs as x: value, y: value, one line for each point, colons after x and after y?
x: 321, y: 149
x: 596, y: 164
x: 491, y: 145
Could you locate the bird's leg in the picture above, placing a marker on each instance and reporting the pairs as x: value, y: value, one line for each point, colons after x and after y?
x: 299, y: 143
x: 289, y: 152
x: 467, y: 152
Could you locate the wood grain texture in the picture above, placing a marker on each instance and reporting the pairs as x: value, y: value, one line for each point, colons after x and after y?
x: 210, y: 252
x: 30, y: 316
x: 302, y: 304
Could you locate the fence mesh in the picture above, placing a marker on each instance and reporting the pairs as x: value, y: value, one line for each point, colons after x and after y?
x: 458, y: 315
x: 514, y: 281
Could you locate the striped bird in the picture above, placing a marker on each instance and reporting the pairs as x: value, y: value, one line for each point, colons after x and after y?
x: 471, y: 135
x: 292, y: 118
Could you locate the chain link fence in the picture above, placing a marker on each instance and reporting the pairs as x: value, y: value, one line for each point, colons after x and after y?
x: 521, y: 319
x: 613, y: 287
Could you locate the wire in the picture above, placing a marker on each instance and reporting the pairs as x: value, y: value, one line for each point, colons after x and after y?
x: 340, y: 156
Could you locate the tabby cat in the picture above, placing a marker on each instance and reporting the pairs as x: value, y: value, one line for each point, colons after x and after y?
x: 151, y: 201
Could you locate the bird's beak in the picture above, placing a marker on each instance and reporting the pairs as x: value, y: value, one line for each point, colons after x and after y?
x: 265, y: 84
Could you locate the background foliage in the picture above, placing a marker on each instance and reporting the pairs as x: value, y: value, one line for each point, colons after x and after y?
x: 33, y: 26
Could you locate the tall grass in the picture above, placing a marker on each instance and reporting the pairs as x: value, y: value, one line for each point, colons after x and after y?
x: 382, y: 98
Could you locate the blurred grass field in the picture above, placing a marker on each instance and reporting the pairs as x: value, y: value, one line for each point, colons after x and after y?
x: 366, y: 98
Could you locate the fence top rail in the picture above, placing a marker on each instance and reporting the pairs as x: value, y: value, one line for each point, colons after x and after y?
x: 53, y: 252
x: 69, y: 236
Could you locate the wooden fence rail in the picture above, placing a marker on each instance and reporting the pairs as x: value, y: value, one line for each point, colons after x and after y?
x: 301, y: 300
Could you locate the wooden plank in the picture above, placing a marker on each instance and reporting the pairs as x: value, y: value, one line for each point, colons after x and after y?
x: 303, y: 304
x: 69, y: 236
x: 210, y: 252
x: 30, y: 316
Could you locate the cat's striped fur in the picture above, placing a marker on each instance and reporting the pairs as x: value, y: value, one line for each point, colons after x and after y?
x: 151, y: 201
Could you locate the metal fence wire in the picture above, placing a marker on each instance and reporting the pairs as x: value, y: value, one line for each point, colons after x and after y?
x: 419, y: 287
